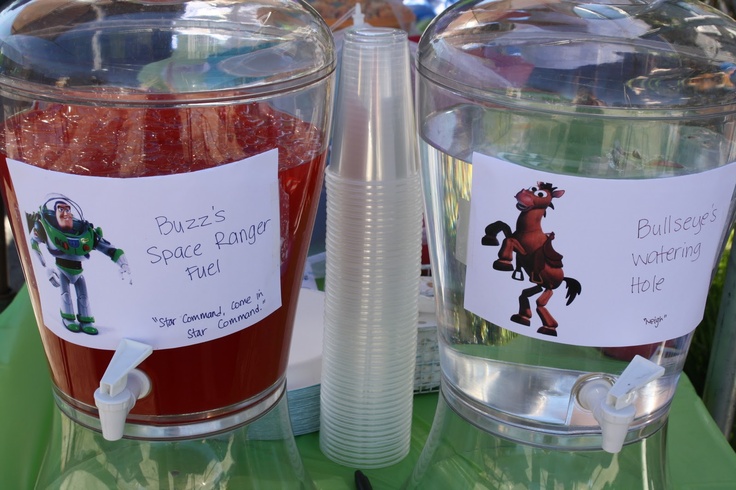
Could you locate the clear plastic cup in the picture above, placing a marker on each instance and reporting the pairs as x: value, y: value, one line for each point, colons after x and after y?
x: 373, y: 243
x: 379, y: 418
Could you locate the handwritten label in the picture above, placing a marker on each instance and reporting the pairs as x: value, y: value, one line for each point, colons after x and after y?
x: 244, y: 236
x: 684, y: 231
x: 199, y: 253
x: 608, y: 263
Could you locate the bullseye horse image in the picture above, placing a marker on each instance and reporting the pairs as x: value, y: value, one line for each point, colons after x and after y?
x: 534, y: 255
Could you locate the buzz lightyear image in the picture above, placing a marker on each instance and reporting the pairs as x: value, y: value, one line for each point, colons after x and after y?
x: 59, y: 227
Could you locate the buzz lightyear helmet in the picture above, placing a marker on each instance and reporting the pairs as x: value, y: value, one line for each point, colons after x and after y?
x: 48, y: 210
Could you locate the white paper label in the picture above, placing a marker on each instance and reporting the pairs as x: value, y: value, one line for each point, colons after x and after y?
x: 608, y: 263
x: 201, y: 252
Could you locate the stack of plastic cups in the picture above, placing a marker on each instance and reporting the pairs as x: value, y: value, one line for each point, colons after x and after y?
x: 374, y: 224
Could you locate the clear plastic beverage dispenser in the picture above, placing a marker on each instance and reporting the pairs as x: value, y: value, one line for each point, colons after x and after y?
x: 161, y: 163
x: 579, y: 181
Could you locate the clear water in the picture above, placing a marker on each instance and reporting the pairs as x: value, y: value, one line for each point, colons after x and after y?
x: 516, y: 385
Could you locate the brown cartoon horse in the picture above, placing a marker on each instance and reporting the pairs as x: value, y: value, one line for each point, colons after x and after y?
x: 534, y: 255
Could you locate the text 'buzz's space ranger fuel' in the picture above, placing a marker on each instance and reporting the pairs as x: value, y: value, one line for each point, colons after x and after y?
x: 70, y: 240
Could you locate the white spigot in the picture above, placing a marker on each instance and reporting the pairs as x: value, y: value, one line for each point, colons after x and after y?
x: 358, y: 17
x: 120, y: 387
x: 612, y: 405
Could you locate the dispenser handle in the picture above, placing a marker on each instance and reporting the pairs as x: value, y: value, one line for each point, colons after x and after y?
x: 612, y: 405
x: 637, y: 374
x: 120, y: 387
x: 128, y: 356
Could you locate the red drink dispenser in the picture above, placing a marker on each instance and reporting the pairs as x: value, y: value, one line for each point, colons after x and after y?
x: 178, y: 145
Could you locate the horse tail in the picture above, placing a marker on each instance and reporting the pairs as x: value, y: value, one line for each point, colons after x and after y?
x: 492, y: 230
x: 573, y: 289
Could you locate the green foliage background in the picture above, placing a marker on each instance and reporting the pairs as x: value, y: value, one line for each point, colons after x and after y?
x: 696, y: 364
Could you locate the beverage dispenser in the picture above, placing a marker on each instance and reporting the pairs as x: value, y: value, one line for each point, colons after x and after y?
x: 161, y: 164
x: 577, y: 161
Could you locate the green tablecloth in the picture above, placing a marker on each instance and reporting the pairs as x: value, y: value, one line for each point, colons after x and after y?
x: 699, y: 456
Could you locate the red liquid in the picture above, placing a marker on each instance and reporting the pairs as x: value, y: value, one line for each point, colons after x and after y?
x: 136, y: 142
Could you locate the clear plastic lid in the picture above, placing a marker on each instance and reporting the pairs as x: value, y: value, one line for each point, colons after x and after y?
x: 136, y: 48
x: 563, y: 55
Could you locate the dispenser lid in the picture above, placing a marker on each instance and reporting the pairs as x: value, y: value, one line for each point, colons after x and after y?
x: 133, y: 47
x: 637, y: 54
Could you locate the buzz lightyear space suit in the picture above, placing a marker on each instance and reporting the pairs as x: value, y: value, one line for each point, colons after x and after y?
x: 69, y: 238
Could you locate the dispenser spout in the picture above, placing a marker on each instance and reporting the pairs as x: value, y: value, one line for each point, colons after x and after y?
x: 120, y: 387
x: 613, y: 405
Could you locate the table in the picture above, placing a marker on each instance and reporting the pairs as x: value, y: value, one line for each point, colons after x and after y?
x: 699, y: 457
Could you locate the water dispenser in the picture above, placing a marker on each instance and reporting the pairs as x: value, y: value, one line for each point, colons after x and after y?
x: 578, y: 171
